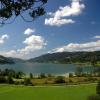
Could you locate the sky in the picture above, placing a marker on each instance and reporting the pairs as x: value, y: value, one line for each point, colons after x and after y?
x: 68, y: 25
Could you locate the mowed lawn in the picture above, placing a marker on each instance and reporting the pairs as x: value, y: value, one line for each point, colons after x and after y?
x: 81, y: 92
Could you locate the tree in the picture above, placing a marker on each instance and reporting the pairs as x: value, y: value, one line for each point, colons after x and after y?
x: 10, y: 80
x: 70, y: 74
x: 19, y: 75
x: 42, y: 75
x: 31, y: 75
x: 10, y: 9
x: 2, y: 79
x: 79, y: 70
x: 27, y: 81
x: 59, y: 79
x: 93, y: 59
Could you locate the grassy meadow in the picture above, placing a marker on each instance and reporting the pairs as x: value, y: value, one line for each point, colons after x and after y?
x: 11, y: 92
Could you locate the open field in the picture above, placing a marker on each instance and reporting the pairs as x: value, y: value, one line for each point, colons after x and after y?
x: 8, y: 92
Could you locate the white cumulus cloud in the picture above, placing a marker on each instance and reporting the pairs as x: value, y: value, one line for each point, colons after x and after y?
x: 58, y: 18
x: 29, y: 31
x: 3, y: 38
x: 33, y: 43
x: 73, y: 47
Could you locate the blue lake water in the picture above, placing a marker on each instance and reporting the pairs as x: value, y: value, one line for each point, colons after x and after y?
x: 48, y: 68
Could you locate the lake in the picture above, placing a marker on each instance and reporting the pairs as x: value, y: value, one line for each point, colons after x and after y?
x: 47, y: 68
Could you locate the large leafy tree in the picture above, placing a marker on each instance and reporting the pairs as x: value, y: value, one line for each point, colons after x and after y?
x: 10, y: 9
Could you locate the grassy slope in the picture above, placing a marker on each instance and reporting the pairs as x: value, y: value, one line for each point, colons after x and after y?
x: 46, y: 93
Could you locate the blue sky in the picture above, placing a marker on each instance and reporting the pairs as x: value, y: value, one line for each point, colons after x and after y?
x: 68, y: 25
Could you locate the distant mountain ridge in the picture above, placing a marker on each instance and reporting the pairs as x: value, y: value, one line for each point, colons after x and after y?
x: 61, y: 57
x: 67, y: 57
x: 10, y: 60
x: 17, y: 60
x: 6, y: 60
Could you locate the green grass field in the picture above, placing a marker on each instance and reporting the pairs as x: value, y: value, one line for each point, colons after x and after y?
x: 81, y: 92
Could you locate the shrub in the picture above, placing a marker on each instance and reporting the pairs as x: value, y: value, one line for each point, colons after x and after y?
x: 31, y: 76
x: 2, y: 79
x: 42, y: 75
x: 10, y: 80
x: 70, y: 81
x: 60, y: 79
x: 70, y: 74
x: 79, y: 71
x: 27, y: 81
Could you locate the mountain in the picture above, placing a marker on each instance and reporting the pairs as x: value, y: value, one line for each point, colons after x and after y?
x: 6, y: 60
x: 68, y: 57
x: 17, y: 60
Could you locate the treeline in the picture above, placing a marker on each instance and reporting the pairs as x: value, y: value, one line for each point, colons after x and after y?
x: 9, y: 76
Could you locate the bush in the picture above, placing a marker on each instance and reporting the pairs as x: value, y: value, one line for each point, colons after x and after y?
x: 27, y: 81
x: 17, y: 83
x: 60, y: 79
x: 2, y: 79
x: 70, y: 74
x: 70, y: 81
x: 42, y: 75
x: 79, y: 71
x: 31, y: 76
x: 10, y: 80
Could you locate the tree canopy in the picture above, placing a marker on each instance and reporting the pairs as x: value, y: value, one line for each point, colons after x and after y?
x: 10, y: 9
